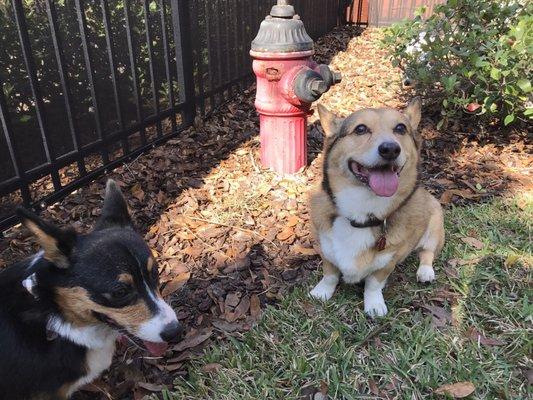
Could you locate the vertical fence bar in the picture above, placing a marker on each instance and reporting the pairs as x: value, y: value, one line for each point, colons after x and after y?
x: 242, y: 38
x: 235, y: 40
x: 168, y: 70
x: 133, y: 68
x: 155, y: 94
x: 199, y: 57
x: 113, y: 69
x: 20, y: 20
x: 13, y: 151
x: 182, y: 40
x: 225, y: 40
x: 209, y: 43
x: 82, y: 23
x: 218, y: 59
x: 63, y: 77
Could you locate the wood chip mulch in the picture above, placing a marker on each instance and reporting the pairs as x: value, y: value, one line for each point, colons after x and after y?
x: 231, y: 237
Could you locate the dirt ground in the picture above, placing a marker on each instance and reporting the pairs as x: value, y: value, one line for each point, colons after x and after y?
x: 231, y: 237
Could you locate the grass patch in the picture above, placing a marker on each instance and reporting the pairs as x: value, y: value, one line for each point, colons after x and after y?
x: 303, y: 343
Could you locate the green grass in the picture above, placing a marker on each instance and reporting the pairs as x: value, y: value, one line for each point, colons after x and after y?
x: 304, y: 342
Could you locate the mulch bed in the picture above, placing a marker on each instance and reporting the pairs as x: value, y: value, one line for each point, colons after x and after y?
x: 231, y: 237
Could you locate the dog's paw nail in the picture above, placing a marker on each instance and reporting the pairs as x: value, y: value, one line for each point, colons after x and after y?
x: 376, y: 309
x: 322, y: 293
x: 425, y: 273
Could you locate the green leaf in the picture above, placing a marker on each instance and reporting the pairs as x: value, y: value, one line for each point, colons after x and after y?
x: 508, y: 119
x: 440, y: 123
x: 495, y: 74
x: 524, y: 84
x: 25, y: 118
x: 528, y: 111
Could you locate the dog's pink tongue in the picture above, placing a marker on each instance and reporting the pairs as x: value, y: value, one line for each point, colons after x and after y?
x: 383, y: 182
x: 156, y: 349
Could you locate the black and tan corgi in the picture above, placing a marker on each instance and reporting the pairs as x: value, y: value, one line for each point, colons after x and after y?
x: 370, y: 212
x: 62, y: 310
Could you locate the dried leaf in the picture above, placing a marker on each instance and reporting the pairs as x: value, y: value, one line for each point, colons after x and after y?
x: 152, y: 387
x: 177, y: 283
x: 285, y: 233
x: 372, y: 385
x: 255, y: 306
x: 478, y: 244
x: 511, y: 260
x: 306, y: 251
x: 441, y: 317
x: 211, y: 368
x: 477, y: 337
x: 137, y: 192
x: 193, y: 341
x: 293, y: 221
x: 457, y: 390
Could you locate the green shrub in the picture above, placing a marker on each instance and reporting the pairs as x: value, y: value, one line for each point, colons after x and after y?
x: 471, y: 56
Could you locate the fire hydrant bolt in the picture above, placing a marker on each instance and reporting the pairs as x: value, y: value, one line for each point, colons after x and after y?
x: 288, y: 81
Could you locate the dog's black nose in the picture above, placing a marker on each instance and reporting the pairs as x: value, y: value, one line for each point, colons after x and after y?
x: 389, y: 150
x: 172, y: 331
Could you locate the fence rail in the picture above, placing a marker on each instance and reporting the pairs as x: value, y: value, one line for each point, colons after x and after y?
x: 89, y: 85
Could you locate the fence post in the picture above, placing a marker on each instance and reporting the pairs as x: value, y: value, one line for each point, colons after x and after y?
x: 181, y: 24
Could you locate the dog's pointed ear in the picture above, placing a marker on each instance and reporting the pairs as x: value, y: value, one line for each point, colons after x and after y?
x: 56, y: 243
x: 331, y: 123
x: 413, y: 112
x: 115, y: 211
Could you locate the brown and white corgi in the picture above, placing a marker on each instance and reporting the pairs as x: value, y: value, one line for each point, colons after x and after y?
x: 370, y: 212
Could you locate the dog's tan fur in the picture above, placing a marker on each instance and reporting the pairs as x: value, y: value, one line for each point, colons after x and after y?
x: 413, y: 217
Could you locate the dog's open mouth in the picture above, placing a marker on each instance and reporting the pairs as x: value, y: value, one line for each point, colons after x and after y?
x: 382, y: 180
x: 156, y: 349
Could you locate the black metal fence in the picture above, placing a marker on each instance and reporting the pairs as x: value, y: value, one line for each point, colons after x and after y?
x: 90, y: 84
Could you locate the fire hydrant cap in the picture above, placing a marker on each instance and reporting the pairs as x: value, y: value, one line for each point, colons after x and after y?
x: 282, y: 35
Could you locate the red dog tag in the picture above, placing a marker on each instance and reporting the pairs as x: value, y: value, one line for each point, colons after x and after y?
x: 381, y: 243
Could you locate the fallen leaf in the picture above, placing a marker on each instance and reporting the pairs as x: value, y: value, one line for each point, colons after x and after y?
x: 211, y: 368
x: 511, y: 260
x: 457, y: 390
x: 372, y: 385
x: 137, y: 192
x: 293, y: 221
x: 306, y: 251
x: 285, y: 233
x: 441, y: 316
x: 255, y: 306
x: 176, y: 283
x: 471, y: 107
x: 529, y: 376
x: 193, y: 341
x: 476, y: 243
x: 229, y: 327
x: 152, y: 387
x: 477, y: 337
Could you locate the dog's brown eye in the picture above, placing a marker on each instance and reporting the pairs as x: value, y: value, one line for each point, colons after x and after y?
x: 400, y: 128
x: 120, y: 293
x: 361, y: 129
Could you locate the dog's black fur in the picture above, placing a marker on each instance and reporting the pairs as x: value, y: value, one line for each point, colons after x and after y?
x: 36, y: 363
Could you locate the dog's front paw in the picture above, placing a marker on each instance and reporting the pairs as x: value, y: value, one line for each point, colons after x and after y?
x: 375, y: 308
x: 375, y: 303
x: 325, y: 288
x: 425, y: 273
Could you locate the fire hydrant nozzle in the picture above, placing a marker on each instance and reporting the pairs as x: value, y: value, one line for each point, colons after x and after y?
x: 288, y: 81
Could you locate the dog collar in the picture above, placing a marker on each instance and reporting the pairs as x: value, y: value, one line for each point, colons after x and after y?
x: 372, y: 221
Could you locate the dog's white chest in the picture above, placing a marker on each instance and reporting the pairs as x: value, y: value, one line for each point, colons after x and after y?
x: 98, y: 360
x: 344, y: 243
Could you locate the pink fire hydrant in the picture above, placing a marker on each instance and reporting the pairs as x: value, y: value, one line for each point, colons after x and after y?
x: 288, y: 81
